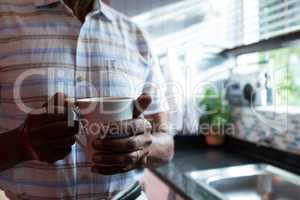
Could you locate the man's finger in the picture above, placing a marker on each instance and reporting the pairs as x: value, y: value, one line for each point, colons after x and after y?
x: 123, y: 129
x: 61, y: 143
x: 59, y: 154
x: 130, y: 144
x: 58, y: 103
x: 141, y: 104
x: 59, y: 130
x: 56, y: 99
x: 110, y: 170
x: 49, y: 117
x: 120, y: 160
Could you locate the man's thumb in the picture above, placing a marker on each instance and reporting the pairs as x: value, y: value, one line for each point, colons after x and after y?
x: 58, y: 99
x: 141, y: 104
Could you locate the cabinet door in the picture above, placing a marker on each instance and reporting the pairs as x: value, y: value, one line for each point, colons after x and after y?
x: 156, y: 189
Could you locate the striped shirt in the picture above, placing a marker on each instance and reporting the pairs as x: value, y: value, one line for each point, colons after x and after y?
x: 44, y: 49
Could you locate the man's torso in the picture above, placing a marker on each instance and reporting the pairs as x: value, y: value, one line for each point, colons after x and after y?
x: 45, y: 50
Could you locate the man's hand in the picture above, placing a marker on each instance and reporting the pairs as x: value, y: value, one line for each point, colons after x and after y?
x: 116, y: 155
x: 49, y: 133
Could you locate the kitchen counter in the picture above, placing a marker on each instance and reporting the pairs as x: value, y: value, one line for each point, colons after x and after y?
x: 191, y: 156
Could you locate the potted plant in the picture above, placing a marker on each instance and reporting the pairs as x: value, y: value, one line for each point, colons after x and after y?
x: 216, y: 118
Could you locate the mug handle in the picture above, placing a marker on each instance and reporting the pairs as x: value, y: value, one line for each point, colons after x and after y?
x: 80, y: 138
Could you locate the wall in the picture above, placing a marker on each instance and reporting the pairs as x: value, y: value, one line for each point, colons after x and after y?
x: 282, y: 127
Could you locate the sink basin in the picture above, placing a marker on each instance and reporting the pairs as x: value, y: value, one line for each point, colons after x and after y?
x: 249, y: 182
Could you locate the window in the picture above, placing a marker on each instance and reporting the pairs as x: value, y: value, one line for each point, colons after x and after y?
x: 278, y: 17
x: 251, y: 21
x: 285, y: 65
x: 188, y: 36
x: 274, y: 75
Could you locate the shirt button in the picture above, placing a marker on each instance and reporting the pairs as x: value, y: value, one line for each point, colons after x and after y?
x: 79, y: 78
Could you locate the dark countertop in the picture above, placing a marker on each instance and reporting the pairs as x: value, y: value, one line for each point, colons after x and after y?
x: 194, y: 156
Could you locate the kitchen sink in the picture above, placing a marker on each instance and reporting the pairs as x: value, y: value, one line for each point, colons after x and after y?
x: 249, y: 182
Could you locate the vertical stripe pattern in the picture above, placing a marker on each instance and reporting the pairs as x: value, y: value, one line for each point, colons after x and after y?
x: 44, y: 49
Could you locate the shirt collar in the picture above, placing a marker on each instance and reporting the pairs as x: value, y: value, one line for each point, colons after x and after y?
x: 99, y: 7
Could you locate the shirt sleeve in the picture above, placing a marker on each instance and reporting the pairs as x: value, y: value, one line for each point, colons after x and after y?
x: 155, y: 84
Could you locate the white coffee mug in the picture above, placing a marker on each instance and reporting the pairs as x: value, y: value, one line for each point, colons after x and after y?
x: 94, y: 112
